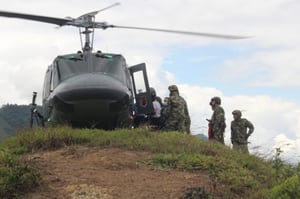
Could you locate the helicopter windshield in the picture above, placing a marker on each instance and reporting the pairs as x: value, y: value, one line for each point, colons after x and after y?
x: 72, y: 65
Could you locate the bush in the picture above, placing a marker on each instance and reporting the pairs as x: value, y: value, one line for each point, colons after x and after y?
x: 15, y: 177
x: 290, y: 188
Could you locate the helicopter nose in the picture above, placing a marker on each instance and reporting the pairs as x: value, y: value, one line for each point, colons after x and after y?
x: 91, y: 87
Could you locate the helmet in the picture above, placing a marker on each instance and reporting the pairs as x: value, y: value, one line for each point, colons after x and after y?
x: 152, y: 92
x: 237, y: 112
x: 173, y: 88
x: 216, y: 99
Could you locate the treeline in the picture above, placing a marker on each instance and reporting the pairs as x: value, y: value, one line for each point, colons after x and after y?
x: 13, y: 117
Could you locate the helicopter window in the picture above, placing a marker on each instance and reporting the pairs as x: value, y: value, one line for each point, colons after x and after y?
x: 55, y: 77
x: 69, y: 67
x: 46, y: 90
x: 112, y: 65
x: 139, y: 82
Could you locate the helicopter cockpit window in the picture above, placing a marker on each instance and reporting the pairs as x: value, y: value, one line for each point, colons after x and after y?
x: 70, y: 67
x: 108, y: 65
x: 111, y: 65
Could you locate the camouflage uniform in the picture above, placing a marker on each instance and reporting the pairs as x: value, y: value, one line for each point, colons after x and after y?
x: 176, y: 112
x: 239, y: 134
x: 217, y: 121
x: 187, y: 120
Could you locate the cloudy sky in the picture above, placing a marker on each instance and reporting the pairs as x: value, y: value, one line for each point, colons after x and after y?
x: 258, y: 75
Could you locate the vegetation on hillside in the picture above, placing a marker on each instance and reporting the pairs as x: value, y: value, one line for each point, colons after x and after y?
x: 231, y: 173
x: 13, y: 118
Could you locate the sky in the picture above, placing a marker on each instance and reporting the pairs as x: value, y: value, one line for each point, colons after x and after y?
x: 258, y: 75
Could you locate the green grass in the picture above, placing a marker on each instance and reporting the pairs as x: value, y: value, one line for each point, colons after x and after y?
x: 15, y: 176
x: 230, y: 173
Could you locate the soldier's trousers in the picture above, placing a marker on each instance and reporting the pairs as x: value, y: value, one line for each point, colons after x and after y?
x: 243, y: 148
x: 175, y: 125
x: 218, y: 135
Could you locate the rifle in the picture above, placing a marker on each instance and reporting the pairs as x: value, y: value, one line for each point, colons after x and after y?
x: 35, y: 114
x: 210, y: 131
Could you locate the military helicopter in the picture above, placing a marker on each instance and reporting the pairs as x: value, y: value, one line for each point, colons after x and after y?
x: 94, y: 89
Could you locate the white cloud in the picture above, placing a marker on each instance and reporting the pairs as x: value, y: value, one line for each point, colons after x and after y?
x: 290, y: 148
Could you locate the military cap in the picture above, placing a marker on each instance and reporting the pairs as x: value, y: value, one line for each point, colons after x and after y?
x: 217, y: 100
x: 173, y: 88
x: 237, y: 112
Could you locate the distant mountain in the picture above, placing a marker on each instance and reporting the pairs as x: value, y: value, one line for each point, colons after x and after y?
x: 201, y: 136
x: 4, y: 129
x: 13, y: 117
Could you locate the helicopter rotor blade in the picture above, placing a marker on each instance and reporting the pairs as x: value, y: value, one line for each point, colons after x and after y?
x: 221, y: 36
x: 96, y: 12
x: 52, y: 20
x: 86, y: 22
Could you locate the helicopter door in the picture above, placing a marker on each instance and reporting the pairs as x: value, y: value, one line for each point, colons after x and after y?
x: 141, y: 89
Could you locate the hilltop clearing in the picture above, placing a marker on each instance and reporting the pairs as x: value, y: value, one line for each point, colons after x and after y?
x: 91, y: 172
x: 72, y: 163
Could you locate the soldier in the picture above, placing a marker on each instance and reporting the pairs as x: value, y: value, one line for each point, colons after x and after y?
x: 239, y: 134
x: 217, y: 123
x: 177, y: 114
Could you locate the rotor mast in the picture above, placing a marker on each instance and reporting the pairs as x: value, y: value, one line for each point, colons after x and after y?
x: 88, y: 22
x: 88, y: 46
x: 88, y: 33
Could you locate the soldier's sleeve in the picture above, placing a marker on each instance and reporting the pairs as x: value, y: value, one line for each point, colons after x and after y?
x: 220, y: 116
x: 250, y: 126
x: 187, y: 112
x: 170, y: 105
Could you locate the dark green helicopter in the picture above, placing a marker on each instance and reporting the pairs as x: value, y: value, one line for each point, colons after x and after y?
x: 94, y: 89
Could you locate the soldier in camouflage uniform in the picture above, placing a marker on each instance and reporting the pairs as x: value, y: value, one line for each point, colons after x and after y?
x: 239, y: 134
x: 217, y: 122
x: 177, y: 114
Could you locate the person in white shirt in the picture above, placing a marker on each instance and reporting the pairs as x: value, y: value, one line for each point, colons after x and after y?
x: 155, y: 116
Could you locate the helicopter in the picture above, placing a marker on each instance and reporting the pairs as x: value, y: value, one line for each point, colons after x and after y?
x: 94, y: 89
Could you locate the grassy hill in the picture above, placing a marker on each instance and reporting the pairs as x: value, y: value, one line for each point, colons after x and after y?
x: 230, y: 174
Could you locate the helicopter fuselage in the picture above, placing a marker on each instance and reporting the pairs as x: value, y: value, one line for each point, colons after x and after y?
x: 88, y: 90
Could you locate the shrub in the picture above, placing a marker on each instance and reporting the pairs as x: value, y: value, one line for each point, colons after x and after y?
x: 290, y: 188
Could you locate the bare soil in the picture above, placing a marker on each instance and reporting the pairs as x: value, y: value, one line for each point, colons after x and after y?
x: 79, y: 172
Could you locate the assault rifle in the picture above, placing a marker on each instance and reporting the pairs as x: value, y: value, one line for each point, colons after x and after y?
x: 35, y: 115
x: 210, y: 132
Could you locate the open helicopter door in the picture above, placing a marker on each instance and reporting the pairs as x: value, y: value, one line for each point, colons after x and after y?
x: 143, y: 101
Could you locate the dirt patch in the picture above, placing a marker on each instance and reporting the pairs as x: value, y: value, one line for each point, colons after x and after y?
x: 79, y: 172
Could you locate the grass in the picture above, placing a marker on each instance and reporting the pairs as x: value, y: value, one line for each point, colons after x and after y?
x: 15, y: 176
x: 230, y: 172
